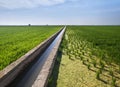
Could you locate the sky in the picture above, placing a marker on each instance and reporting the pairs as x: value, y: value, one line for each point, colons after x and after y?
x: 65, y: 12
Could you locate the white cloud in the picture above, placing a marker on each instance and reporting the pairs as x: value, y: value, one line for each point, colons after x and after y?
x: 12, y: 4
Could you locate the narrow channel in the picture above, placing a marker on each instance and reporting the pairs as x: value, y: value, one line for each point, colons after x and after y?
x: 30, y: 76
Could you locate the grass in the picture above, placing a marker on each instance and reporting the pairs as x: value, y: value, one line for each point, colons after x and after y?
x: 15, y: 41
x: 90, y: 58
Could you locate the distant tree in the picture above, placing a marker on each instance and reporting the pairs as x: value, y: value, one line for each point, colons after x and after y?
x: 29, y: 24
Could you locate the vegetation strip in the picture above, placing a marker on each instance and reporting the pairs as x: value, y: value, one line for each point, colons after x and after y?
x: 15, y: 41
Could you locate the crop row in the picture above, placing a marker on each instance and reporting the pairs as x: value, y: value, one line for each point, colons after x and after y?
x: 98, y: 49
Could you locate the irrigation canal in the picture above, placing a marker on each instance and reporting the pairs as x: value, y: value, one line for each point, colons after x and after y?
x: 29, y: 75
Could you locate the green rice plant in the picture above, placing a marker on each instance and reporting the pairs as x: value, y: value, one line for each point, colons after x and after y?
x: 81, y: 57
x: 84, y: 62
x: 102, y: 64
x: 69, y: 56
x: 75, y: 55
x: 113, y: 83
x: 67, y: 52
x: 94, y: 62
x: 111, y: 72
x: 83, y: 53
x: 88, y: 66
x: 100, y: 70
x: 98, y: 74
x: 119, y: 69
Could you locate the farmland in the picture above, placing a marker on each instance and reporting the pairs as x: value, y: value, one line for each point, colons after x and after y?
x: 88, y: 57
x: 15, y: 41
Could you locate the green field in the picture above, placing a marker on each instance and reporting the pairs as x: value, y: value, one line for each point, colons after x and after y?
x: 15, y: 41
x: 88, y: 57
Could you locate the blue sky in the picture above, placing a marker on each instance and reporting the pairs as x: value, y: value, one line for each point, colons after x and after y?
x: 75, y: 12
